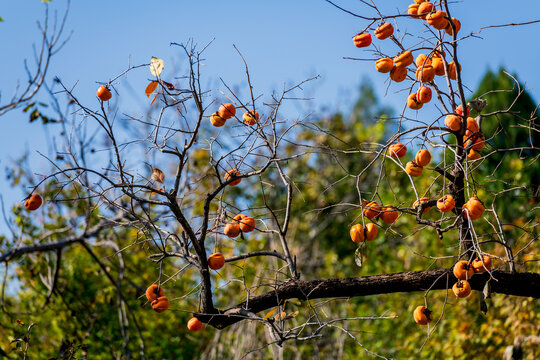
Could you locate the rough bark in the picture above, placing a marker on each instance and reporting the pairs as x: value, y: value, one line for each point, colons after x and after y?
x: 517, y: 284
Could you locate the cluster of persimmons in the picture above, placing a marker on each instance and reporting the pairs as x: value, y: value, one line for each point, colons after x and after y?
x: 427, y: 67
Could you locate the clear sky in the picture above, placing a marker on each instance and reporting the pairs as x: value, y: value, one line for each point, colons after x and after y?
x: 282, y: 41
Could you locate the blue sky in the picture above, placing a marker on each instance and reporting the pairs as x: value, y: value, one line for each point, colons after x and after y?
x: 282, y: 41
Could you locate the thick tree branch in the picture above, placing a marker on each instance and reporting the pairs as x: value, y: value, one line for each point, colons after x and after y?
x: 518, y: 284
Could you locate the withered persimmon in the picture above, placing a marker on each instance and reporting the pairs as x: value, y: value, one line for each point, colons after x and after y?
x: 462, y: 288
x: 403, y: 59
x: 397, y: 150
x: 246, y: 223
x: 33, y: 202
x: 216, y: 261
x: 250, y: 117
x: 462, y: 270
x: 231, y: 174
x: 446, y: 203
x: 371, y: 210
x: 160, y: 304
x: 384, y: 65
x: 103, y: 93
x: 423, y: 94
x: 153, y: 292
x: 422, y: 315
x: 423, y: 157
x: 389, y: 214
x: 227, y: 111
x: 194, y: 324
x: 413, y: 103
x: 362, y: 40
x: 217, y: 120
x: 413, y: 169
x: 232, y: 230
x: 398, y: 74
x: 384, y: 31
x: 473, y: 209
x: 481, y: 266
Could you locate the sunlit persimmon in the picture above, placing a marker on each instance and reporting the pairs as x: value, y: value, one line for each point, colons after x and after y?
x: 473, y: 155
x: 384, y: 65
x: 362, y: 40
x: 397, y: 150
x: 423, y: 157
x: 473, y: 209
x: 413, y: 103
x: 452, y: 73
x: 103, y: 93
x: 250, y: 117
x: 472, y: 125
x: 422, y: 59
x: 370, y: 231
x: 423, y: 94
x: 462, y: 288
x: 437, y: 19
x: 481, y: 266
x: 453, y: 122
x: 446, y: 203
x: 413, y: 169
x: 438, y: 66
x: 424, y: 9
x: 448, y: 29
x: 246, y: 223
x: 372, y: 210
x: 357, y: 233
x: 398, y: 74
x: 425, y: 73
x: 462, y: 270
x: 384, y: 31
x: 422, y: 315
x: 217, y: 120
x: 404, y: 59
x: 459, y: 110
x: 413, y: 10
x: 227, y: 111
x: 216, y: 261
x: 232, y: 230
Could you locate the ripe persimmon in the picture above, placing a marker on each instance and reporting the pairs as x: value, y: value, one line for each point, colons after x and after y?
x: 216, y: 261
x: 462, y: 270
x: 153, y: 292
x: 33, y: 202
x: 422, y: 315
x: 103, y: 93
x: 194, y: 324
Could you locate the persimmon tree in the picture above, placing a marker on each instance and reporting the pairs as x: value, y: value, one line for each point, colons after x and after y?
x: 203, y: 194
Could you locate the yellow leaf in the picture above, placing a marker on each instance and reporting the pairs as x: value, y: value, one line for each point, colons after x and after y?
x: 150, y: 88
x: 270, y: 313
x: 156, y: 66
